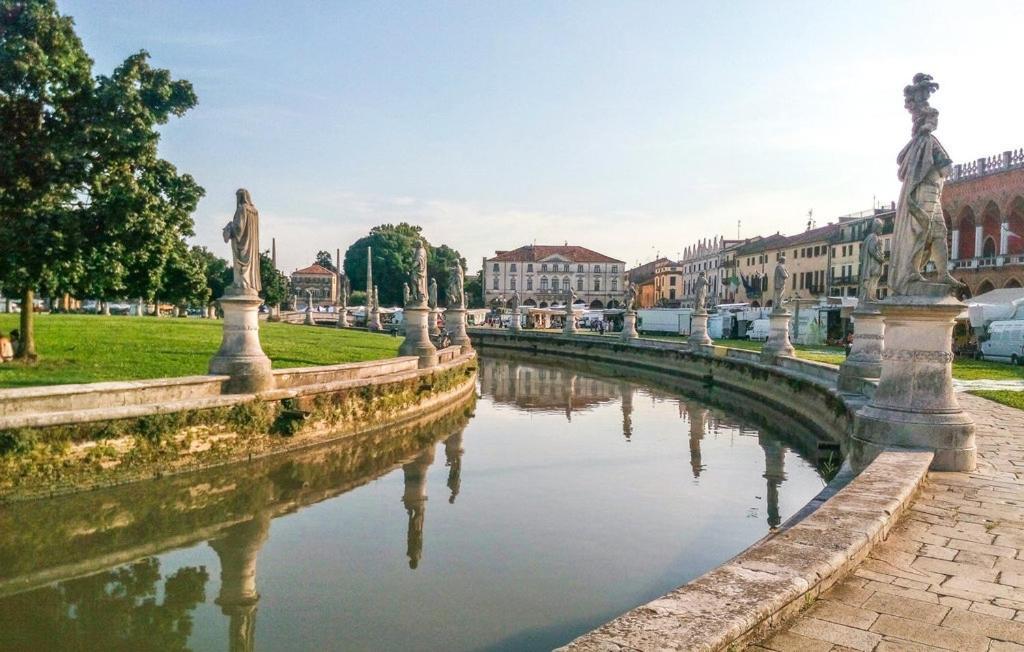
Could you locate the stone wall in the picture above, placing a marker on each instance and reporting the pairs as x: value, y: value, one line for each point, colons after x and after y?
x: 64, y: 438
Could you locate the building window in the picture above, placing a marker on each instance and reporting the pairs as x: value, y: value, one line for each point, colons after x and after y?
x: 565, y: 267
x: 579, y: 269
x: 543, y: 283
x: 512, y: 268
x: 615, y: 285
x: 579, y: 283
x: 495, y: 285
x: 512, y: 283
x: 597, y: 285
x: 565, y: 283
x: 544, y: 267
x: 529, y: 267
x: 554, y: 284
x: 529, y: 283
x: 597, y: 268
x: 671, y: 280
x: 615, y: 268
x: 495, y: 269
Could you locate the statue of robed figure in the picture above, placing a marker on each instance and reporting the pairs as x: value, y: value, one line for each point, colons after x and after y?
x: 631, y: 297
x: 513, y: 301
x: 243, y: 232
x: 700, y: 290
x: 418, y: 277
x: 871, y: 260
x: 456, y: 294
x: 432, y: 294
x: 779, y: 285
x: 919, y: 233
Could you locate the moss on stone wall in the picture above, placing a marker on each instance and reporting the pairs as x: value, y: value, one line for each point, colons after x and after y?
x: 57, y: 459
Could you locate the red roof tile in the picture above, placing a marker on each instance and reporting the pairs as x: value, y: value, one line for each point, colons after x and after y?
x: 314, y: 270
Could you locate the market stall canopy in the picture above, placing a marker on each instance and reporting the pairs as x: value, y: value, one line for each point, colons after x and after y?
x: 995, y: 305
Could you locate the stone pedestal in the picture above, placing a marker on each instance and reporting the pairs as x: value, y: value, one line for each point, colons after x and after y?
x: 629, y: 326
x: 432, y: 326
x: 309, y: 321
x: 516, y: 322
x: 343, y: 321
x: 455, y: 322
x: 778, y: 343
x: 240, y: 355
x: 699, y: 331
x: 570, y: 324
x: 417, y: 339
x: 865, y: 359
x: 373, y: 320
x: 914, y: 405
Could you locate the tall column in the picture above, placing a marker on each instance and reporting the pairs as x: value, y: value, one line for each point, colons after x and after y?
x: 237, y: 549
x: 1004, y: 238
x: 978, y: 241
x: 955, y: 245
x: 778, y: 343
x: 699, y: 330
x: 455, y: 323
x: 240, y: 355
x: 415, y: 501
x: 865, y: 359
x: 629, y: 326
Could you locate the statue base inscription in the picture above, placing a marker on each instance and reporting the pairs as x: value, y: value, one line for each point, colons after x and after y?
x: 417, y: 339
x: 629, y: 326
x: 915, y: 405
x: 778, y: 343
x: 240, y: 355
x: 699, y: 330
x: 455, y: 322
x: 865, y: 359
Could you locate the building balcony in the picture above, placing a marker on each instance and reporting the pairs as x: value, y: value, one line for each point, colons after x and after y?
x: 981, y: 262
x: 848, y: 279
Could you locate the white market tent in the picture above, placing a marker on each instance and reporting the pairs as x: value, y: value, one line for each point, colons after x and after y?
x: 1006, y: 303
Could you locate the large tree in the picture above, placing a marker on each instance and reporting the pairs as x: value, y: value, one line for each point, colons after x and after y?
x: 275, y: 284
x: 86, y: 205
x: 394, y: 248
x: 325, y: 260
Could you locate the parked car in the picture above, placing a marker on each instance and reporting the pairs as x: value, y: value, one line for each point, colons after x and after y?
x: 1005, y: 342
x: 759, y: 330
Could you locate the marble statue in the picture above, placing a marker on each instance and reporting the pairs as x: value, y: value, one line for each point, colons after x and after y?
x: 406, y: 294
x: 570, y: 301
x: 376, y: 298
x: 513, y: 301
x: 871, y: 260
x: 631, y: 296
x: 456, y: 294
x: 243, y: 232
x: 418, y: 277
x: 309, y: 300
x: 779, y: 285
x: 432, y: 294
x: 919, y: 233
x: 700, y: 290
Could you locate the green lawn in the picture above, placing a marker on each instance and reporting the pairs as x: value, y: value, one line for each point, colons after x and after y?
x: 88, y: 348
x: 1004, y: 396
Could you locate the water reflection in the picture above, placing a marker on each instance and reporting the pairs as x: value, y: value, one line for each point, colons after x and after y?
x: 565, y: 466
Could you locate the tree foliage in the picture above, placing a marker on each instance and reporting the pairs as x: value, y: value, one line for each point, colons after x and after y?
x: 474, y: 287
x: 275, y: 284
x: 87, y: 205
x: 325, y: 260
x: 394, y: 248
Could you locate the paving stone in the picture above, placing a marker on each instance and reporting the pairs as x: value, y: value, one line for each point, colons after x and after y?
x: 1005, y: 646
x: 919, y: 632
x: 983, y: 625
x: 992, y: 610
x: 838, y: 634
x: 899, y: 591
x: 906, y: 608
x: 975, y: 558
x: 989, y: 590
x: 843, y: 614
x: 938, y: 552
x: 848, y: 593
x: 790, y: 642
x: 896, y: 645
x: 983, y: 548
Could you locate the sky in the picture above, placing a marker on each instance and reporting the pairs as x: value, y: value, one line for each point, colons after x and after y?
x: 632, y: 128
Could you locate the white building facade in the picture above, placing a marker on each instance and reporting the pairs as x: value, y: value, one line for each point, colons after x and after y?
x: 542, y: 273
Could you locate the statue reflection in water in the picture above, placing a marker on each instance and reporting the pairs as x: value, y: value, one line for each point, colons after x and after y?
x: 626, y: 391
x: 415, y: 501
x: 453, y: 460
x: 237, y: 549
x: 774, y: 473
x: 697, y: 416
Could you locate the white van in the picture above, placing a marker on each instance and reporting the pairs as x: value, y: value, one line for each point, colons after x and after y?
x: 759, y: 330
x: 1005, y: 341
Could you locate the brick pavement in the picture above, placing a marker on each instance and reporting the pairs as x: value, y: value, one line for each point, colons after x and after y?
x: 950, y: 576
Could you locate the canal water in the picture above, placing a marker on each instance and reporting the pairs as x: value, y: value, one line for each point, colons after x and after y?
x: 554, y: 501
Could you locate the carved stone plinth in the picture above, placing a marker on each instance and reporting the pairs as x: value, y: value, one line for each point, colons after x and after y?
x: 343, y: 321
x: 865, y: 359
x: 417, y: 338
x: 455, y: 322
x: 778, y: 343
x: 309, y: 321
x: 629, y: 326
x: 570, y: 324
x: 516, y: 323
x: 914, y: 405
x: 432, y: 327
x: 240, y: 355
x: 373, y: 320
x: 699, y: 330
